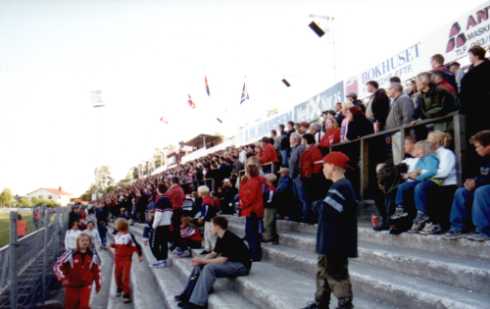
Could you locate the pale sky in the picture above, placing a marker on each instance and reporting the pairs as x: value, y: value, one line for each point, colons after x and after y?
x: 146, y: 56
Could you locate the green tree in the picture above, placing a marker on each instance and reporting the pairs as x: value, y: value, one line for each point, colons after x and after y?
x: 103, y: 179
x: 24, y: 202
x: 6, y: 198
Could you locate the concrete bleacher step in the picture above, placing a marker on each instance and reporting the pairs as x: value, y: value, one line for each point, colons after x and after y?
x: 462, y: 272
x: 429, y: 243
x: 171, y: 280
x: 267, y: 286
x: 397, y: 285
x: 100, y: 300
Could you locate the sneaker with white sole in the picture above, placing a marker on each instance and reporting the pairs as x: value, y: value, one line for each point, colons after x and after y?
x: 184, y: 254
x: 419, y: 222
x: 399, y: 213
x: 453, y: 234
x: 478, y: 237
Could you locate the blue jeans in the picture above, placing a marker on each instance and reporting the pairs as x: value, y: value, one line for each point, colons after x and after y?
x: 252, y: 234
x: 402, y: 192
x: 481, y: 210
x: 102, y: 233
x: 299, y: 192
x: 284, y: 157
x: 421, y: 194
x: 460, y: 209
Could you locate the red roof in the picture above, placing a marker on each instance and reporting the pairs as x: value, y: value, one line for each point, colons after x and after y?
x: 56, y: 191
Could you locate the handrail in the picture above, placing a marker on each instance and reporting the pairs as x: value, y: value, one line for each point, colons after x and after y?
x: 413, y: 124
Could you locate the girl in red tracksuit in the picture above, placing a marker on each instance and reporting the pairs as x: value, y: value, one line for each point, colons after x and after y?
x: 77, y: 270
x: 123, y: 248
x: 252, y: 189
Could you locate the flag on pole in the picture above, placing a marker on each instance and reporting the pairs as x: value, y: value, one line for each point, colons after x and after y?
x: 207, y: 85
x: 245, y: 95
x: 190, y: 102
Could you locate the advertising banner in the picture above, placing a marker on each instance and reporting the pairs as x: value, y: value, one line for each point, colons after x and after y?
x: 314, y: 107
x: 455, y: 38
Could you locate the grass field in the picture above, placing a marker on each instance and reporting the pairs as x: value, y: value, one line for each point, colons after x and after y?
x: 5, y: 225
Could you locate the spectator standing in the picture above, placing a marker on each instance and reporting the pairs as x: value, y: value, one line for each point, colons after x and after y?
x: 401, y: 113
x: 21, y: 226
x: 176, y: 195
x: 297, y: 149
x: 358, y: 124
x: 270, y: 211
x: 441, y: 83
x: 71, y: 235
x: 78, y: 269
x: 437, y: 64
x: 475, y: 99
x: 285, y: 147
x: 102, y: 216
x: 339, y: 116
x: 331, y: 136
x: 252, y: 206
x: 268, y: 156
x: 473, y: 199
x: 36, y: 217
x: 344, y: 125
x: 285, y: 200
x: 276, y: 139
x: 310, y: 175
x: 336, y: 235
x: 433, y: 102
x: 160, y: 226
x: 378, y: 107
x: 94, y: 235
x: 206, y: 215
x: 230, y: 258
x: 352, y: 99
x: 229, y: 194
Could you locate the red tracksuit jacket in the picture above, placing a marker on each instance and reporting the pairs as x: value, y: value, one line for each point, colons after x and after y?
x: 77, y: 270
x: 125, y: 245
x: 252, y: 196
x: 307, y: 161
x: 176, y: 195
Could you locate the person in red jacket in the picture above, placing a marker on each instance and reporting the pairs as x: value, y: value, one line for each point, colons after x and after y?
x: 77, y: 270
x: 268, y: 155
x: 251, y: 193
x: 311, y: 169
x: 176, y: 195
x: 331, y: 136
x: 123, y: 248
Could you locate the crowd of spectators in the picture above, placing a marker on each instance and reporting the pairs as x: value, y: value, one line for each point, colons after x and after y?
x: 281, y: 176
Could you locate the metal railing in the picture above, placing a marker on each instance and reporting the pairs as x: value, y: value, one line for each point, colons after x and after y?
x: 26, y: 262
x: 363, y: 152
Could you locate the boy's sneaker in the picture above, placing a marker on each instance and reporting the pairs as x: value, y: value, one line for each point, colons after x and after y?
x: 431, y: 229
x: 118, y: 293
x: 419, y: 222
x: 160, y: 264
x: 311, y: 306
x: 478, y: 237
x: 453, y: 234
x: 184, y: 254
x: 127, y: 299
x: 177, y: 251
x: 399, y: 213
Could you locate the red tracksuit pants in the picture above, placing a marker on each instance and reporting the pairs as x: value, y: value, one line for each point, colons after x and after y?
x: 123, y: 273
x: 77, y: 298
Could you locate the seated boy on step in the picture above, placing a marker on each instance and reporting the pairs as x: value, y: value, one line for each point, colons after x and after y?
x: 230, y: 258
x: 474, y: 197
x: 336, y: 235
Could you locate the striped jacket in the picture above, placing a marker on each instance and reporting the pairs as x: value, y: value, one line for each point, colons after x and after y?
x: 77, y: 270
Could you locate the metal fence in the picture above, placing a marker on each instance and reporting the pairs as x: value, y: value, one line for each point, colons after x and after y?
x: 26, y: 262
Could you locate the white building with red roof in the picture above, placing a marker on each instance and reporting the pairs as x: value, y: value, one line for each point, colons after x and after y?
x: 58, y: 195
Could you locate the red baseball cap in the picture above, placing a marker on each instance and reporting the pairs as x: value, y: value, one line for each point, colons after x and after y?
x: 337, y: 158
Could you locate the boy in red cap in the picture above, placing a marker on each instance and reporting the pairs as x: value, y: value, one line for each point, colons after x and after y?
x: 336, y: 235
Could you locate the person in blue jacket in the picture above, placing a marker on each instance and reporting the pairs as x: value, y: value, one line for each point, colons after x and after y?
x: 336, y: 239
x: 425, y: 169
x: 474, y: 197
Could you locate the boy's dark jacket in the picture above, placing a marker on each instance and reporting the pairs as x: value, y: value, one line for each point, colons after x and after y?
x: 337, y: 221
